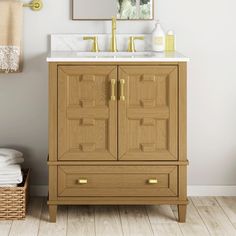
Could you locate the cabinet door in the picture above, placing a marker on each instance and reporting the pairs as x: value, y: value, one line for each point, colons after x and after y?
x: 148, y: 113
x: 87, y: 116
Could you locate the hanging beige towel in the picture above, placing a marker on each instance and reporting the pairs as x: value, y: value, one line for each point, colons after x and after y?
x: 10, y: 35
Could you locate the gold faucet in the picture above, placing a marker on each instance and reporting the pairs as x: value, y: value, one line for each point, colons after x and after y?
x: 131, y: 46
x: 113, y: 39
x: 95, y: 47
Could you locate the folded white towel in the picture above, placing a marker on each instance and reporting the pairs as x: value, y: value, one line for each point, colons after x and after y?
x: 11, y: 175
x: 16, y: 181
x: 8, y: 161
x: 11, y: 153
x: 10, y: 156
x: 14, y: 170
x: 12, y: 180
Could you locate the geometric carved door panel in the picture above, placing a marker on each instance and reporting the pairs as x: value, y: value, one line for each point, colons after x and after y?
x: 148, y: 114
x: 87, y: 113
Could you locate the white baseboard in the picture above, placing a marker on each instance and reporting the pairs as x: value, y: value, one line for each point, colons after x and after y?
x: 211, y: 190
x: 193, y: 190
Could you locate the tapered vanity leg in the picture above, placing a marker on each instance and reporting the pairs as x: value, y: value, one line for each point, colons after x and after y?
x: 53, y: 213
x: 182, y: 213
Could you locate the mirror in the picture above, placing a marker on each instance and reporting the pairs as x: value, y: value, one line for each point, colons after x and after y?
x: 105, y: 9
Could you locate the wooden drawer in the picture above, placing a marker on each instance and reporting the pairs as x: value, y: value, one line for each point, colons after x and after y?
x: 117, y: 181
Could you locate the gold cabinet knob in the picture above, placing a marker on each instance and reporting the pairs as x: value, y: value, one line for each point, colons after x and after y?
x: 152, y: 181
x: 82, y: 181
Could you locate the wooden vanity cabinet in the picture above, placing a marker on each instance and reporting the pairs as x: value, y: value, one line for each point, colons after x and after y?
x: 87, y: 117
x: 117, y: 134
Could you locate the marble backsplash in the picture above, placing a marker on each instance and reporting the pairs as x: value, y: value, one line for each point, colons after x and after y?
x: 75, y: 42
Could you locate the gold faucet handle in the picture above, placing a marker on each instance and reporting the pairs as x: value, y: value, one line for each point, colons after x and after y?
x: 139, y: 37
x: 95, y: 47
x: 131, y: 46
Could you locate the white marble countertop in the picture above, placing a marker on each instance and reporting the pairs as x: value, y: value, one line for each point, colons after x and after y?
x: 73, y: 56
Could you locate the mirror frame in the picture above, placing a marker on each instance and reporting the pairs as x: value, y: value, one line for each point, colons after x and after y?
x: 75, y: 19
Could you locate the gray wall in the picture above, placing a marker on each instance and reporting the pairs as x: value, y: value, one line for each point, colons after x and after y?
x: 205, y: 33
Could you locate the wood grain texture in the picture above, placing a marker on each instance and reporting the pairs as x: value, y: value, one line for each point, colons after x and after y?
x: 183, y: 111
x: 135, y: 221
x: 117, y: 181
x: 182, y: 183
x: 84, y: 94
x: 107, y: 221
x: 212, y: 214
x: 81, y: 220
x: 30, y: 225
x: 182, y: 210
x: 151, y: 94
x: 5, y: 227
x: 52, y: 112
x: 51, y: 182
x: 53, y: 212
x: 162, y: 220
x: 88, y: 128
x: 46, y: 228
x: 117, y: 201
x: 194, y: 225
x: 228, y: 204
x: 120, y: 163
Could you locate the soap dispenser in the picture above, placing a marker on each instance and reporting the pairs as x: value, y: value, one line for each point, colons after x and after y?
x: 170, y: 41
x: 158, y: 38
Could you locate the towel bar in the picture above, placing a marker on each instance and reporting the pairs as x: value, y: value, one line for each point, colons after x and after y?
x: 35, y: 5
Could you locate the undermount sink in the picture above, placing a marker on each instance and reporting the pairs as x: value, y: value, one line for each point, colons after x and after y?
x: 115, y: 54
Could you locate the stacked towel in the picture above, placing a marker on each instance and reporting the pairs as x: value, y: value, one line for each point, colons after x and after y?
x: 10, y: 170
x: 10, y: 156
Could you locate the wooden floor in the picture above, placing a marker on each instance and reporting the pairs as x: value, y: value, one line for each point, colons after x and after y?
x: 206, y: 216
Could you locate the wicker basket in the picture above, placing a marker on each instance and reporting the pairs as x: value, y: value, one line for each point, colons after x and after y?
x: 13, y: 200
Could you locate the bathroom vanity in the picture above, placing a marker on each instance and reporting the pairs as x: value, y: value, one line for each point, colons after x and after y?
x: 117, y: 129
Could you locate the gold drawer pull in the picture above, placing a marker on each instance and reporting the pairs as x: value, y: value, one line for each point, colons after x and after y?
x: 122, y: 96
x: 82, y: 181
x: 113, y: 82
x: 152, y: 181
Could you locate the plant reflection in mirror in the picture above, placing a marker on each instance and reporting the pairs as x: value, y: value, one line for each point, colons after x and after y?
x: 134, y: 9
